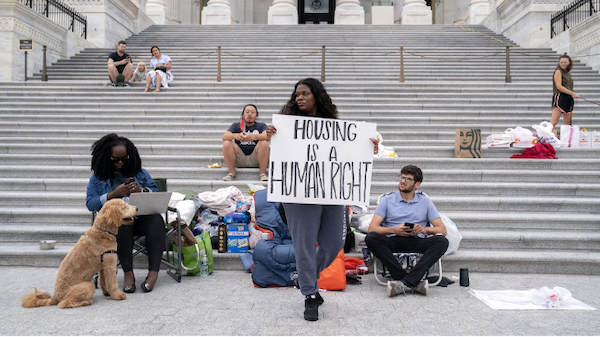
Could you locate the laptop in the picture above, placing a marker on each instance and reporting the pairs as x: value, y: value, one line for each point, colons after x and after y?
x: 150, y: 203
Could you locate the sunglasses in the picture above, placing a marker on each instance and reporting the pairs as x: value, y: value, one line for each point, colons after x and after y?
x: 118, y: 159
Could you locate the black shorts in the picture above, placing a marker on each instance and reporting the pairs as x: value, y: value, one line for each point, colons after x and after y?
x: 563, y: 102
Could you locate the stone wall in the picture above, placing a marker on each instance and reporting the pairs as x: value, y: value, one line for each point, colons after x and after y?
x: 20, y: 22
x: 582, y: 42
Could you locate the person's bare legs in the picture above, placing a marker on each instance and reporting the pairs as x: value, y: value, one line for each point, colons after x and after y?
x: 555, y: 117
x: 128, y: 71
x: 263, y: 156
x: 229, y: 154
x: 113, y: 72
x: 158, y: 79
x: 148, y: 82
x: 567, y: 118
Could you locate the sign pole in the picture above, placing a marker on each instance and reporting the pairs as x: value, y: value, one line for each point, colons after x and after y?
x: 26, y: 66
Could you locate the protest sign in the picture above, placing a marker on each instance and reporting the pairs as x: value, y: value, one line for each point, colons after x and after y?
x: 320, y: 161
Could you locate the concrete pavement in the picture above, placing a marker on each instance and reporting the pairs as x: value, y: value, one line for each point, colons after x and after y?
x: 227, y: 303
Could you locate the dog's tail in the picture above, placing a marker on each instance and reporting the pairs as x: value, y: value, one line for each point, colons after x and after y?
x: 37, y: 299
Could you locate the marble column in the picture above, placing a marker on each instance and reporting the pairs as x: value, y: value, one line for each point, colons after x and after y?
x: 283, y: 12
x: 349, y: 12
x: 217, y: 12
x: 156, y: 10
x: 477, y: 11
x: 415, y: 12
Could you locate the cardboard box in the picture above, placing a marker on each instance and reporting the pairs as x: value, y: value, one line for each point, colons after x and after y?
x: 467, y: 143
x: 234, y: 238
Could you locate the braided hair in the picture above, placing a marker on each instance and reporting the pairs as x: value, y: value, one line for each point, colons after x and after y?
x: 102, y: 165
x: 325, y: 108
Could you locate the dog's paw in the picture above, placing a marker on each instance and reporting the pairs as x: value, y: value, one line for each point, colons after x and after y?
x: 119, y: 296
x: 106, y: 294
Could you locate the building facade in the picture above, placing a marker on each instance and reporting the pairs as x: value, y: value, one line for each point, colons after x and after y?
x: 527, y: 22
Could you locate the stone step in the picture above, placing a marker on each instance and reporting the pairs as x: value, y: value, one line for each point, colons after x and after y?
x: 415, y: 151
x: 524, y: 261
x: 76, y: 177
x: 183, y: 162
x: 566, y: 239
x: 508, y: 261
x: 471, y: 203
x: 488, y: 190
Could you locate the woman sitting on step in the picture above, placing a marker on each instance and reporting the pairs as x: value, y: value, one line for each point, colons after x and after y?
x: 118, y: 172
x: 161, y: 75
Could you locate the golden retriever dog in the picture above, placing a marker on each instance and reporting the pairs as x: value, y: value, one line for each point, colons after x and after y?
x: 94, y: 253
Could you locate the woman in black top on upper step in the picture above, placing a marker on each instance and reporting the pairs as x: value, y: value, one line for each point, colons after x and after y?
x: 562, y: 88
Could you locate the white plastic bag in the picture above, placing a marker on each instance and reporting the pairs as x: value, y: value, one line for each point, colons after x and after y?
x: 499, y: 140
x: 523, y: 138
x: 452, y: 234
x: 364, y: 222
x: 596, y: 139
x: 585, y: 138
x: 569, y: 135
x: 545, y: 134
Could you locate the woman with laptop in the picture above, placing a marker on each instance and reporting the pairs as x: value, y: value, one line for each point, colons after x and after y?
x: 117, y: 172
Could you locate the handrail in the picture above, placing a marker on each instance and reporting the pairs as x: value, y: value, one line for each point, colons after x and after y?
x: 571, y: 15
x: 59, y: 13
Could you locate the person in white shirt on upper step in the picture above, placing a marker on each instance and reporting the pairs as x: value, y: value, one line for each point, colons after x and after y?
x: 161, y: 75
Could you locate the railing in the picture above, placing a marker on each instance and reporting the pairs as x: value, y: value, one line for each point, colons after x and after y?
x: 61, y: 14
x: 572, y: 15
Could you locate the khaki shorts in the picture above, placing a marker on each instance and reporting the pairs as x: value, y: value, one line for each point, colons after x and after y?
x: 243, y: 160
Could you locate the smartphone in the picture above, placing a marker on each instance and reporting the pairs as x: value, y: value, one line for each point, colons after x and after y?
x: 410, y: 225
x: 129, y: 180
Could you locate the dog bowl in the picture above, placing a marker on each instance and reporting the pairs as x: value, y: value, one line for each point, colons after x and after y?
x: 47, y: 244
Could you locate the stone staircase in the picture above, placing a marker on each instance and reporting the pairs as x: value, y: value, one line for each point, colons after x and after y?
x: 516, y: 215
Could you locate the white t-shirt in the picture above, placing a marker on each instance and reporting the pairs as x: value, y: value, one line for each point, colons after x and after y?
x: 164, y: 59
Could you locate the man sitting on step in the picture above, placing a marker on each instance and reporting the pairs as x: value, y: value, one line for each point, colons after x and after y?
x: 245, y: 144
x: 400, y: 225
x: 120, y: 66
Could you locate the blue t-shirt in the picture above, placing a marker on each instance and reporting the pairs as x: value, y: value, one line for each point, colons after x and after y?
x: 395, y: 210
x: 248, y: 146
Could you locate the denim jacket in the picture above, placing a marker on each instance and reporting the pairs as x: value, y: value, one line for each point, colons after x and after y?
x: 97, y: 190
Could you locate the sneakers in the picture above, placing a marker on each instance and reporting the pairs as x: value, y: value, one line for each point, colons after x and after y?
x: 422, y: 287
x: 311, y: 307
x: 228, y: 177
x: 264, y: 177
x: 396, y: 287
x: 125, y: 84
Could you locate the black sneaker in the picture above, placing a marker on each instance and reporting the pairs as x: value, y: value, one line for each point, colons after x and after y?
x: 319, y: 298
x: 311, y: 307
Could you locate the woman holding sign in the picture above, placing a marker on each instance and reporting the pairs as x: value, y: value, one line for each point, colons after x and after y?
x: 311, y: 224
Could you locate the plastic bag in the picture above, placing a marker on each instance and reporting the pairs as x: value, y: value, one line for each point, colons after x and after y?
x: 585, y: 139
x: 569, y: 135
x: 523, y: 138
x: 364, y: 222
x: 596, y: 139
x: 545, y: 134
x: 452, y: 234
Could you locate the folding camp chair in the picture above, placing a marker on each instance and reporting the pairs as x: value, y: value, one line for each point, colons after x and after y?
x: 408, y: 261
x: 175, y: 270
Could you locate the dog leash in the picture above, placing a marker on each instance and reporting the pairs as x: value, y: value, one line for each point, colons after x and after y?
x: 587, y: 100
x: 112, y: 251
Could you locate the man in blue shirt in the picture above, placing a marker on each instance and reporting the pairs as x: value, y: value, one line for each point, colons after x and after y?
x: 245, y: 144
x: 401, y: 224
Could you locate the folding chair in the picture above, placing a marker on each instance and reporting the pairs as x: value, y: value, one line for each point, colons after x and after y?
x: 407, y: 261
x: 175, y: 270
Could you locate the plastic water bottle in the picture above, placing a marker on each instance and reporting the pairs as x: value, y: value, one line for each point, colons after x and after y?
x: 204, y: 266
